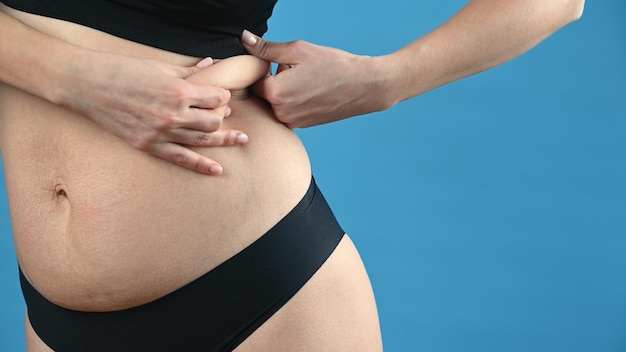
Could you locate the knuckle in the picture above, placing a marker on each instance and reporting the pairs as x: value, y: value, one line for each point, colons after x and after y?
x: 264, y: 47
x: 280, y: 116
x: 179, y: 96
x: 166, y: 120
x: 224, y: 97
x: 214, y: 123
x: 213, y: 97
x: 298, y: 45
x: 273, y: 96
x: 179, y: 158
x: 198, y: 165
x: 140, y: 142
x: 230, y: 138
x: 180, y: 93
x: 204, y: 139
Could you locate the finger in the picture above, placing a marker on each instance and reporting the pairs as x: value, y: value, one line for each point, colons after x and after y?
x: 203, y: 120
x: 187, y: 158
x: 265, y: 49
x: 186, y: 71
x: 219, y: 138
x: 207, y: 97
x: 204, y: 63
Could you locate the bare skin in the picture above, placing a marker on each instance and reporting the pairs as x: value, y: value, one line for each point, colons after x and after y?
x: 147, y: 103
x: 85, y: 243
x: 59, y: 164
x: 339, y: 85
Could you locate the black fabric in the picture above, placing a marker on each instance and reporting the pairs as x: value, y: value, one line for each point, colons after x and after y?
x: 217, y: 311
x: 198, y: 28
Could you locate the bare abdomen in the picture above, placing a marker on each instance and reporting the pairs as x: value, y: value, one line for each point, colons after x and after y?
x: 100, y: 226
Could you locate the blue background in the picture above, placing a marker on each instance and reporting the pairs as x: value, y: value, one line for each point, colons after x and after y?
x: 490, y: 213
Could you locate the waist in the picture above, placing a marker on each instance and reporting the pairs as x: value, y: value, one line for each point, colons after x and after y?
x: 99, y: 225
x: 88, y: 210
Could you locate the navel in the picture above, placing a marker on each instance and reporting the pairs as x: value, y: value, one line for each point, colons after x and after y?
x: 59, y: 191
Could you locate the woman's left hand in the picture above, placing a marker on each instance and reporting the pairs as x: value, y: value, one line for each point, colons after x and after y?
x: 314, y: 85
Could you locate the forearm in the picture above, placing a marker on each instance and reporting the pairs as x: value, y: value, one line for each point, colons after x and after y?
x: 147, y: 103
x: 484, y: 34
x: 35, y: 62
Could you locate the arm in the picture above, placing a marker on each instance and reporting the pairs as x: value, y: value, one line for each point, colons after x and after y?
x: 317, y: 85
x: 147, y: 103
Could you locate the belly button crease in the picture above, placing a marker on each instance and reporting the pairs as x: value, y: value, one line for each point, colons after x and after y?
x: 59, y: 190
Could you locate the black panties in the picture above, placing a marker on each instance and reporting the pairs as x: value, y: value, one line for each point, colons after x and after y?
x: 217, y: 311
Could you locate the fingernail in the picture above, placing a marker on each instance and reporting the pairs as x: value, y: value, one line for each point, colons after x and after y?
x: 241, y: 138
x: 228, y: 111
x: 216, y: 169
x: 204, y: 63
x: 248, y: 38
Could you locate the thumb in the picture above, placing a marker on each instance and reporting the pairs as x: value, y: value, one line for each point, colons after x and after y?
x: 264, y: 49
x: 263, y: 87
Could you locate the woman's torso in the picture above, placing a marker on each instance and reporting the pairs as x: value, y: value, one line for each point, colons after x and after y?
x: 99, y: 225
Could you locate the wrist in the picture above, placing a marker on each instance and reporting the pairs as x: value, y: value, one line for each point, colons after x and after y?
x: 400, y: 76
x: 419, y: 68
x: 383, y: 81
x: 64, y: 73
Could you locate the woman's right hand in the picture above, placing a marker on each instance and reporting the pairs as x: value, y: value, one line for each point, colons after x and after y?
x: 150, y: 105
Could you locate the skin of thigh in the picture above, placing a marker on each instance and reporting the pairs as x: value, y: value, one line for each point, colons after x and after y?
x: 33, y: 342
x: 334, y: 311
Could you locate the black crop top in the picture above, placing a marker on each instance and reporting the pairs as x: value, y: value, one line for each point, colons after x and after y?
x: 192, y: 27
